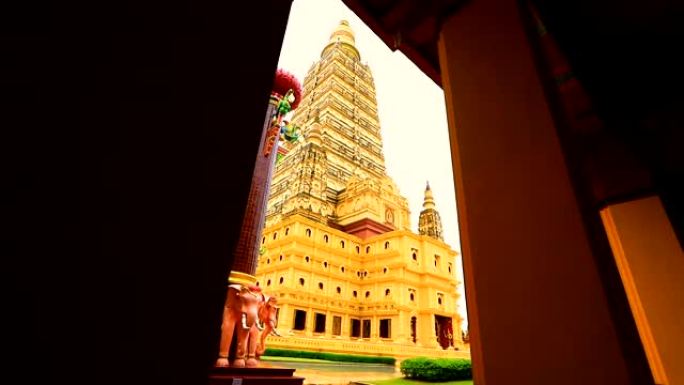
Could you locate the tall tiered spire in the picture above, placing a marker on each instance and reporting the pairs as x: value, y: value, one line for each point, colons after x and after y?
x: 429, y: 222
x: 337, y: 174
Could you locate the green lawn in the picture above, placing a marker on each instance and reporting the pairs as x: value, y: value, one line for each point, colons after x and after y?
x: 292, y: 359
x: 402, y: 381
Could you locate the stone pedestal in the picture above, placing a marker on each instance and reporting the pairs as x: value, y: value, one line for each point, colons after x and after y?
x: 254, y: 376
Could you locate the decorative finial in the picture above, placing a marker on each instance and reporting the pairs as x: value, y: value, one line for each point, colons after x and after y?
x: 429, y: 201
x: 342, y: 37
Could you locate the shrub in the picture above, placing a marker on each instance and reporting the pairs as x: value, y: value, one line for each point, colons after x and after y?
x: 328, y: 356
x: 436, y: 369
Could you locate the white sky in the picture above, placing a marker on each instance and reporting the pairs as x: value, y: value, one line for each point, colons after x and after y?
x: 411, y: 108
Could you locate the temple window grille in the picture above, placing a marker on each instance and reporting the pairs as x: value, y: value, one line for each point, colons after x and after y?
x: 337, y: 325
x: 355, y: 328
x: 366, y: 330
x: 319, y: 323
x: 385, y: 328
x: 299, y: 320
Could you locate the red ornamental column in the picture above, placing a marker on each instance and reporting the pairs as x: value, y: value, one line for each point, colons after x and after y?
x: 247, y: 248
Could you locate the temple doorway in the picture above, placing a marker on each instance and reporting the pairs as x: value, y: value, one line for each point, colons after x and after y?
x: 444, y: 331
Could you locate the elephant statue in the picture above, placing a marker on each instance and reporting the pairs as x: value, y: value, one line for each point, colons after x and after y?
x: 246, y: 310
x: 240, y: 313
x: 267, y: 317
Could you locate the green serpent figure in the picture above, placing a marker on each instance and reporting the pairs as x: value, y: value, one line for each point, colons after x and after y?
x: 289, y: 132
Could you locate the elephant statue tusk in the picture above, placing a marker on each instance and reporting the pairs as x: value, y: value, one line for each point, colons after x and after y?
x: 275, y: 332
x: 244, y: 321
x: 259, y: 325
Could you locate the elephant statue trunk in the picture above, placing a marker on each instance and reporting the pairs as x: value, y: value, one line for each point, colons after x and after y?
x: 275, y: 332
x: 253, y: 321
x: 259, y: 325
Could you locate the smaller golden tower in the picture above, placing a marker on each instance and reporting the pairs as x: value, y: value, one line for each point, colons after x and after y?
x: 429, y: 222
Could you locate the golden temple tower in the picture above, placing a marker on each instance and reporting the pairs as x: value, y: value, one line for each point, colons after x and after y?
x: 338, y: 251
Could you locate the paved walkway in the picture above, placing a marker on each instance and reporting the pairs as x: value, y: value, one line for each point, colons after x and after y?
x: 336, y: 373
